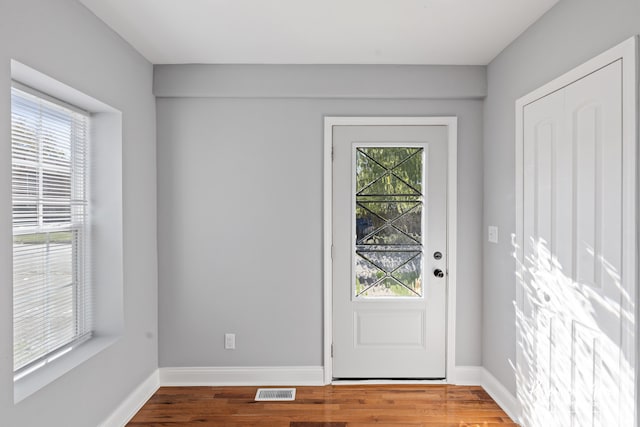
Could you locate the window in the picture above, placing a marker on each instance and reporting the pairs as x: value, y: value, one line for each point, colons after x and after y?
x: 389, y: 221
x: 51, y: 250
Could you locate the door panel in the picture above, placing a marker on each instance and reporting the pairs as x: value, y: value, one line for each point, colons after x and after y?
x: 376, y: 328
x: 389, y: 217
x: 572, y: 254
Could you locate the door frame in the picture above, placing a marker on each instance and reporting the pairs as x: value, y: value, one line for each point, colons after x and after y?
x: 627, y: 51
x: 452, y: 198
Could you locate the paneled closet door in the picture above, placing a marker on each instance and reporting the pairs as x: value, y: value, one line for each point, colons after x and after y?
x: 572, y: 247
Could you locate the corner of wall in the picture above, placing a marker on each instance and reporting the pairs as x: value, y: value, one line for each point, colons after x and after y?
x: 133, y: 402
x: 480, y: 376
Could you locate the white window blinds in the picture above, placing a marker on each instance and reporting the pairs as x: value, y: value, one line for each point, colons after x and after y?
x: 51, y: 280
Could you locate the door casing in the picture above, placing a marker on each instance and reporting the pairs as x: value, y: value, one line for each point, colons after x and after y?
x: 627, y: 51
x: 452, y: 162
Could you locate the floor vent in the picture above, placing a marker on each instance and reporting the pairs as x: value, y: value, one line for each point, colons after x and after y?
x: 275, y: 394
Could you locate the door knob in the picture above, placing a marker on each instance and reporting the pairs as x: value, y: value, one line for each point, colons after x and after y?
x: 438, y: 273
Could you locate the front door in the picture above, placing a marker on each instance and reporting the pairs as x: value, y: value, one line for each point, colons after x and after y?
x: 389, y: 251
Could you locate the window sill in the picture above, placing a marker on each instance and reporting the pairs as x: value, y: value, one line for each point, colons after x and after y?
x: 41, y: 377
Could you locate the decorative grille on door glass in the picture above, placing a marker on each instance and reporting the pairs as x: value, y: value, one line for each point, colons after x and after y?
x: 389, y: 203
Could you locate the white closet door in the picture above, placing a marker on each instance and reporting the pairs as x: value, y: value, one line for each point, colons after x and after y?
x: 572, y: 247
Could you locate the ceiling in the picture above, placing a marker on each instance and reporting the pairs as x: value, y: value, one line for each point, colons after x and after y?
x: 470, y: 32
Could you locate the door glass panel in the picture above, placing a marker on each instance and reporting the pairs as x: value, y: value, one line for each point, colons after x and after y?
x: 388, y: 222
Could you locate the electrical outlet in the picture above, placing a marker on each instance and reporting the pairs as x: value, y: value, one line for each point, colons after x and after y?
x: 230, y: 341
x: 493, y: 234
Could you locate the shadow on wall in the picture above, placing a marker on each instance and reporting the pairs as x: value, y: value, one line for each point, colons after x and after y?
x: 571, y: 366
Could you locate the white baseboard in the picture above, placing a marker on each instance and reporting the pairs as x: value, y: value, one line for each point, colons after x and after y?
x: 132, y: 404
x: 501, y: 395
x: 467, y: 375
x: 243, y: 376
x: 477, y: 375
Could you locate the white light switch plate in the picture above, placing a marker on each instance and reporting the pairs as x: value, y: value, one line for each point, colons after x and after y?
x: 493, y: 234
x: 230, y: 341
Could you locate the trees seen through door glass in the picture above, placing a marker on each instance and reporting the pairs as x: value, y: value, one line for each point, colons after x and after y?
x: 388, y: 221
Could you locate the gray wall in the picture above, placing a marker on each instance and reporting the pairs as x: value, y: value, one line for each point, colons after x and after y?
x: 67, y: 42
x: 569, y: 34
x: 240, y: 201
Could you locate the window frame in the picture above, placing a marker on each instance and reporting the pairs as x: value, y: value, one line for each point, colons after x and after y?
x: 107, y: 228
x: 80, y: 256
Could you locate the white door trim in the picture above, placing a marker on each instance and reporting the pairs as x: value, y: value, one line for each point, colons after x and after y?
x: 627, y: 51
x: 452, y: 199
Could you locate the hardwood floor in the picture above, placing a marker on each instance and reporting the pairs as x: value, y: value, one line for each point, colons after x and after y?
x: 328, y: 406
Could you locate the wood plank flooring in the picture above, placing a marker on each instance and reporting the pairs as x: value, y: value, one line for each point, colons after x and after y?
x: 328, y: 406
